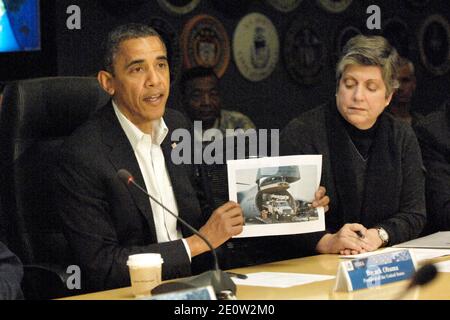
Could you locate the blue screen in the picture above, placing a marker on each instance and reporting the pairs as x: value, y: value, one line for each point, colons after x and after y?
x: 19, y: 25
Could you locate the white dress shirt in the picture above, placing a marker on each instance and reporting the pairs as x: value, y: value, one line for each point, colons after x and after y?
x: 150, y: 157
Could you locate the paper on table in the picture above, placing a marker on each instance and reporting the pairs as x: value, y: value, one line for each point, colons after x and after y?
x: 280, y: 279
x: 420, y: 254
x: 438, y: 240
x: 443, y: 266
x: 425, y: 254
x: 367, y: 254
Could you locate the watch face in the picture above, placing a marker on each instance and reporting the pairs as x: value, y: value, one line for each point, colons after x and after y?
x: 383, y: 235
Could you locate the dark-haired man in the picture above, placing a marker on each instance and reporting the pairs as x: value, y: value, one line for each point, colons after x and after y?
x: 200, y: 91
x: 104, y: 220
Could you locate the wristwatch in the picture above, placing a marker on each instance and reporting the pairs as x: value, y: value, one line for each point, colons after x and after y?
x: 384, y: 236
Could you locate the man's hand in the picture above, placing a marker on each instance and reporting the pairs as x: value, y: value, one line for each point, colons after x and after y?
x: 345, y: 241
x: 225, y: 222
x: 321, y: 199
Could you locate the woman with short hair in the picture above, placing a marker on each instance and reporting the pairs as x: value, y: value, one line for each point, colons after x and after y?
x: 372, y: 167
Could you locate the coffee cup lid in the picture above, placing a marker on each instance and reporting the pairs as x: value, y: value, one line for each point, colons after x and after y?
x: 145, y: 259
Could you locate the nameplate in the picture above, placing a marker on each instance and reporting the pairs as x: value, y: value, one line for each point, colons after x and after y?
x: 375, y: 270
x: 201, y: 293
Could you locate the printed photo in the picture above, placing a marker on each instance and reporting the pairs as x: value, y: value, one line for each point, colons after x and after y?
x: 276, y: 194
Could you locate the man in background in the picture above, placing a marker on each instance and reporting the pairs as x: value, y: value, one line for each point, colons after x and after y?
x: 401, y: 103
x: 201, y: 99
x: 433, y: 133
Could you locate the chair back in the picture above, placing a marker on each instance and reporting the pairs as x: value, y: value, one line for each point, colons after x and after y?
x: 35, y: 117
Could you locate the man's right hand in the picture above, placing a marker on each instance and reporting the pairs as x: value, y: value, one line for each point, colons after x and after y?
x: 225, y: 222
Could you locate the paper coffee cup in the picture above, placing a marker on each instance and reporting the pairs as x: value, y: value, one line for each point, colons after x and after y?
x: 145, y: 272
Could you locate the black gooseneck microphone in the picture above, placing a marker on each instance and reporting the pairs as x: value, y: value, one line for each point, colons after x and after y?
x: 424, y: 275
x: 219, y: 280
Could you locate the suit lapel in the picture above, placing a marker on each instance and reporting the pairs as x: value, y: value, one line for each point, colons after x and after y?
x: 122, y: 157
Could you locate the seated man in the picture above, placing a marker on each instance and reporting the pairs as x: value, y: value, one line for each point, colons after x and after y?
x: 201, y: 100
x: 104, y: 220
x: 401, y: 103
x: 11, y: 273
x: 433, y: 133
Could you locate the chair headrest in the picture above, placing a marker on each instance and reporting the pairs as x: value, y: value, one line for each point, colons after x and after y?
x: 50, y: 107
x: 44, y: 109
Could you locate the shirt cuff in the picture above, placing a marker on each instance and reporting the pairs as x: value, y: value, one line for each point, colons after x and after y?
x: 188, y: 250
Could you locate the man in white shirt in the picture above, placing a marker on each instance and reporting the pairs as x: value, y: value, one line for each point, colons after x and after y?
x: 104, y: 220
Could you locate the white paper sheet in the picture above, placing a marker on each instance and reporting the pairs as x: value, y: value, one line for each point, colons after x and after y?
x: 438, y: 240
x: 420, y: 254
x: 280, y: 279
x: 275, y: 194
x: 443, y: 266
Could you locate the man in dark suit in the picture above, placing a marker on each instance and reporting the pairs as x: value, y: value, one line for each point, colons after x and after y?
x: 104, y: 220
x: 433, y: 133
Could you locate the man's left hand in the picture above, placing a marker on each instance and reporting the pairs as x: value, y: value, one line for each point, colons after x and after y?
x: 321, y: 199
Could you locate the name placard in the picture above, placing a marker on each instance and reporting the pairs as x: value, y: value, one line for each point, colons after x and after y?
x: 375, y: 270
x: 201, y: 293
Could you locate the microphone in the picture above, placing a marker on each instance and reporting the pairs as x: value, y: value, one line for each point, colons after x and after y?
x: 424, y: 275
x: 219, y: 280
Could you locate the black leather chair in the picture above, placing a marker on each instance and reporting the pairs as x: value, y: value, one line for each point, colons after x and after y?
x: 35, y: 117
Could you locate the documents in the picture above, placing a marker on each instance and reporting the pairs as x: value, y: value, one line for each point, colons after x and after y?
x: 420, y: 254
x: 443, y: 266
x: 280, y: 279
x: 436, y: 240
x: 276, y: 194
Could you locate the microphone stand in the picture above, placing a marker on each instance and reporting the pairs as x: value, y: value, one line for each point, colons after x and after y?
x: 218, y: 279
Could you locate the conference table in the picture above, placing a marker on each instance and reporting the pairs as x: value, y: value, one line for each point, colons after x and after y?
x: 326, y: 264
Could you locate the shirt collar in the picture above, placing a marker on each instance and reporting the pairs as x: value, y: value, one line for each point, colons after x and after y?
x: 134, y: 134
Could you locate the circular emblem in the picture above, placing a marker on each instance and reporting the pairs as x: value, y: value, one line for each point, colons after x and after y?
x: 170, y: 36
x: 304, y: 51
x: 284, y: 5
x: 345, y: 34
x: 204, y: 42
x: 396, y: 32
x: 178, y: 7
x: 334, y: 6
x: 255, y: 47
x: 434, y: 43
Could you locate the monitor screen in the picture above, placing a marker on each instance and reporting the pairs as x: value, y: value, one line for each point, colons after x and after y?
x: 19, y: 25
